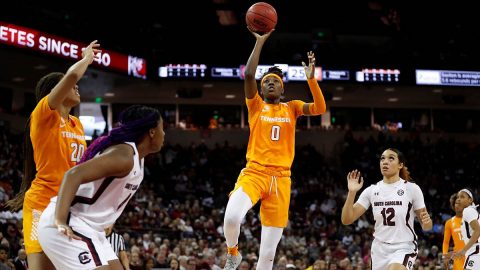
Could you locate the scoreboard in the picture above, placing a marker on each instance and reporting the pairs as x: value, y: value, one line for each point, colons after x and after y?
x: 378, y: 75
x: 182, y: 71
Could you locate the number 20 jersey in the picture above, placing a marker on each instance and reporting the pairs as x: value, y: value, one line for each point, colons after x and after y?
x: 272, y: 132
x: 58, y: 145
x: 393, y: 207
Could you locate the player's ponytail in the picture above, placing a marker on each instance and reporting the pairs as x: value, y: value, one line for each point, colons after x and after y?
x: 453, y: 198
x: 134, y: 124
x: 404, y: 173
x: 43, y: 88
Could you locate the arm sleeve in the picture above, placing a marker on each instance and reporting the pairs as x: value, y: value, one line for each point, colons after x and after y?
x: 447, y: 233
x: 364, y: 199
x: 318, y: 106
x: 297, y: 107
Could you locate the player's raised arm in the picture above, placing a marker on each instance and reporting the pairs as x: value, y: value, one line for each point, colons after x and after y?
x: 252, y: 63
x: 73, y: 75
x: 350, y: 211
x: 318, y: 106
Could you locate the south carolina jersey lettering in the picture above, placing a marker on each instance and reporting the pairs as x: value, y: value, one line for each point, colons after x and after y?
x: 272, y: 132
x: 393, y: 207
x: 59, y: 145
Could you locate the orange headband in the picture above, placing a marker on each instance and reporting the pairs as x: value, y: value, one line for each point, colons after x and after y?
x: 274, y: 75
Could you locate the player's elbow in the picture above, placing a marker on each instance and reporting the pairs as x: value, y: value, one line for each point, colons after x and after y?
x: 346, y: 220
x: 322, y: 110
x: 72, y: 176
x: 317, y: 110
x: 249, y: 75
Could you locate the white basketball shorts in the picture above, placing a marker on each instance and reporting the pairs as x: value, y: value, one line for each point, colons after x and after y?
x: 472, y: 261
x: 92, y: 251
x: 384, y: 254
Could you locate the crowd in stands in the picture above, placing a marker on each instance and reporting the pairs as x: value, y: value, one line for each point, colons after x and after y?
x: 175, y: 220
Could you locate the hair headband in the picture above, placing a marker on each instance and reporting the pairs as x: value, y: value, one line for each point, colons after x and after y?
x: 274, y: 75
x: 468, y: 192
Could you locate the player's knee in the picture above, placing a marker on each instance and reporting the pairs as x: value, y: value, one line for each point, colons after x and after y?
x: 232, y: 220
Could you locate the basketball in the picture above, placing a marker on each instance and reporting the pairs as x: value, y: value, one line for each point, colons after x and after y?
x: 261, y: 17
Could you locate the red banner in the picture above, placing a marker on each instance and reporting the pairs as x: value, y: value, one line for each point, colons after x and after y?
x: 35, y: 40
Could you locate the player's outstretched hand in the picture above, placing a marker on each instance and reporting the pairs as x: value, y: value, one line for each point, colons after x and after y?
x: 355, y: 181
x: 91, y: 50
x: 310, y: 69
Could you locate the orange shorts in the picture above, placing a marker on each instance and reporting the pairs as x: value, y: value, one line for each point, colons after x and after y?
x: 273, y: 188
x: 30, y: 228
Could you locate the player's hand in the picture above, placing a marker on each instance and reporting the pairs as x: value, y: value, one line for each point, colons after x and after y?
x: 446, y: 259
x: 446, y: 263
x: 310, y: 69
x: 425, y: 217
x: 90, y: 51
x: 65, y: 229
x: 458, y: 254
x: 355, y: 181
x: 260, y: 37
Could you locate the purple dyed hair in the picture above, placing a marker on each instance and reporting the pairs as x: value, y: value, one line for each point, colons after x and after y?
x: 135, y: 122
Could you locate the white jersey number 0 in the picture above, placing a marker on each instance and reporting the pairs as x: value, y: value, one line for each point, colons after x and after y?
x: 275, y: 134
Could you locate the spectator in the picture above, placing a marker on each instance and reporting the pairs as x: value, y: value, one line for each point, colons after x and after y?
x: 136, y: 262
x: 161, y: 259
x: 174, y: 265
x: 183, y: 262
x: 191, y: 263
x: 21, y: 260
x: 5, y: 263
x: 149, y: 263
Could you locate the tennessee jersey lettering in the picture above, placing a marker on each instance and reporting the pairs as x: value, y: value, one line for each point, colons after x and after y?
x: 272, y: 132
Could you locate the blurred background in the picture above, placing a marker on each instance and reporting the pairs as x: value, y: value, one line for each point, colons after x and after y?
x: 394, y: 74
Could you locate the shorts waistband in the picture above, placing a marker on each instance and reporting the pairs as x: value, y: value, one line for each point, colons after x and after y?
x: 274, y: 171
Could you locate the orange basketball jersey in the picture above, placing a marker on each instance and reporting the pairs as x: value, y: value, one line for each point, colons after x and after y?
x: 452, y: 229
x: 272, y: 132
x: 59, y: 145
